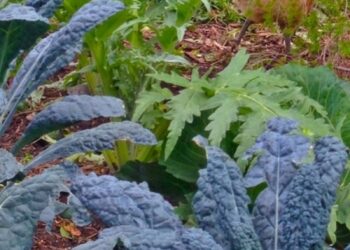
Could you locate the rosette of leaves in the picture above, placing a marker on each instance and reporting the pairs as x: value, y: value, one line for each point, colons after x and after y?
x: 138, y: 219
x: 35, y: 198
x: 292, y: 212
x: 236, y: 102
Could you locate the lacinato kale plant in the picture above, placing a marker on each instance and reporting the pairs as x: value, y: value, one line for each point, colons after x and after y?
x: 52, y: 53
x: 294, y: 208
x: 301, y: 176
x: 45, y: 8
x: 292, y: 212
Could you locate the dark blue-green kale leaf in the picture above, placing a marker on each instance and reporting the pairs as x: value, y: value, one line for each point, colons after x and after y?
x: 55, y: 52
x: 20, y: 26
x: 281, y: 152
x: 9, y: 167
x: 45, y: 8
x: 95, y: 139
x: 69, y: 110
x: 278, y: 146
x: 221, y: 203
x: 135, y: 238
x: 311, y: 194
x: 118, y: 203
x: 21, y: 206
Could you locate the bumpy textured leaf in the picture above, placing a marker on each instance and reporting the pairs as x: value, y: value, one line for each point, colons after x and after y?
x: 3, y: 100
x: 311, y: 195
x: 95, y: 139
x: 281, y: 151
x: 20, y: 26
x: 80, y: 215
x: 134, y: 238
x: 66, y: 171
x: 45, y: 8
x: 68, y: 111
x: 118, y: 203
x: 20, y: 208
x: 112, y: 242
x: 54, y: 52
x: 221, y: 203
x: 9, y: 167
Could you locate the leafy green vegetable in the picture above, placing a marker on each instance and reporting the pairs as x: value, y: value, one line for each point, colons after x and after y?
x: 68, y: 111
x: 20, y: 26
x: 9, y: 167
x: 296, y: 192
x: 143, y: 208
x: 54, y: 52
x: 140, y: 219
x: 322, y: 85
x: 221, y: 203
x: 21, y: 207
x: 45, y: 8
x: 249, y: 97
x: 95, y: 139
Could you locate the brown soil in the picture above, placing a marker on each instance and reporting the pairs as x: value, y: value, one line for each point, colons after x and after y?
x: 211, y: 46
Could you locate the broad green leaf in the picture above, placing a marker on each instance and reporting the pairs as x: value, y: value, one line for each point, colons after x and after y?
x: 174, y: 79
x: 20, y: 26
x: 221, y: 119
x: 235, y: 66
x: 183, y: 108
x: 69, y: 110
x: 323, y: 86
x: 185, y: 10
x: 95, y: 139
x: 253, y: 125
x: 332, y: 226
x: 148, y: 98
x: 187, y: 159
x: 343, y: 203
x: 167, y: 38
x: 207, y: 5
x: 157, y: 179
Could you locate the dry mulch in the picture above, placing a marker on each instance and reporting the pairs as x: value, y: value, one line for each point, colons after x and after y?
x: 211, y: 46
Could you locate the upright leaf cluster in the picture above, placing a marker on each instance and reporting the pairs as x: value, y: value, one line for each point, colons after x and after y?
x: 293, y: 211
x: 53, y: 53
x: 235, y: 95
